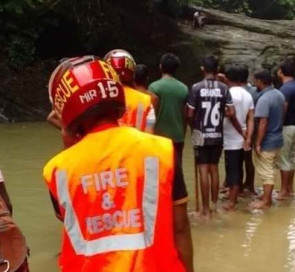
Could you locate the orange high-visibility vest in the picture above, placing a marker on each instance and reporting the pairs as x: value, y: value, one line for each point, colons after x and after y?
x: 114, y: 189
x: 138, y: 106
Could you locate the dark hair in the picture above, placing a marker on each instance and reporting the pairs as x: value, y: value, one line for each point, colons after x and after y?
x: 94, y: 114
x: 210, y: 64
x: 233, y: 73
x: 244, y: 73
x: 288, y: 67
x: 141, y: 74
x: 264, y: 76
x: 170, y: 63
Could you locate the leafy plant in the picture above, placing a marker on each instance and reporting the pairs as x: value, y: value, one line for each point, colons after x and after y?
x: 20, y: 24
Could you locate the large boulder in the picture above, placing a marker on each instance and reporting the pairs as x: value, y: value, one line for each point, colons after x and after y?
x: 238, y: 38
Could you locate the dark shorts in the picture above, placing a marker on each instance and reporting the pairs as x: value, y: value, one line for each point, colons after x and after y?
x: 209, y: 154
x: 180, y: 194
x: 233, y: 166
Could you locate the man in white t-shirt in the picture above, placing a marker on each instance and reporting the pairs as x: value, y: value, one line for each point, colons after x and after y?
x: 236, y: 142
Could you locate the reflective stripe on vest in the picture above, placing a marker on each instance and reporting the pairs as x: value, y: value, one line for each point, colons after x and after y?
x: 139, y: 116
x: 114, y: 242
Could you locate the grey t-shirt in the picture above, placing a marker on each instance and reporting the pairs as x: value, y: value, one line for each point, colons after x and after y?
x: 271, y: 106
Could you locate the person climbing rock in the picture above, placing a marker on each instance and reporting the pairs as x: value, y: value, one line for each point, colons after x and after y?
x: 199, y: 19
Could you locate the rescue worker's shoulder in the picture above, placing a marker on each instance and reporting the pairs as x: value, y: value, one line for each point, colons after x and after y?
x: 48, y: 168
x: 155, y: 143
x: 138, y: 94
x: 55, y: 162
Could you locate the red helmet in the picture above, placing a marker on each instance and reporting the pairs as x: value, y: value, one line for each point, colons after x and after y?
x: 123, y: 63
x: 79, y: 84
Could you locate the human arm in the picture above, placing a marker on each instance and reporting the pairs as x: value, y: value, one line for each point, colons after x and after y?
x: 261, y: 131
x: 181, y: 226
x: 5, y: 197
x: 182, y: 235
x: 190, y: 116
x: 221, y: 77
x: 150, y: 121
x: 155, y: 100
x: 235, y: 122
x: 262, y: 112
x: 250, y: 129
x: 230, y: 110
x: 56, y: 207
x: 191, y: 105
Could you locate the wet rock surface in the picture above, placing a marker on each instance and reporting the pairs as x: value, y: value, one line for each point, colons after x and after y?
x: 239, y: 38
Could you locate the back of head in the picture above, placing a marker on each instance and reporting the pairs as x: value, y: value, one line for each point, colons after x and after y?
x: 264, y: 76
x: 84, y: 90
x: 169, y: 63
x: 141, y: 75
x: 123, y: 63
x: 232, y: 73
x: 210, y: 64
x: 244, y: 73
x: 288, y: 68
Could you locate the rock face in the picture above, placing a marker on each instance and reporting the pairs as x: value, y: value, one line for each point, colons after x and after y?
x: 236, y: 37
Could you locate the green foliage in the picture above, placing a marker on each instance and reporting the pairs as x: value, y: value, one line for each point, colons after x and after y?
x: 20, y: 27
x: 171, y: 7
x: 20, y: 51
x: 266, y: 9
x: 273, y: 9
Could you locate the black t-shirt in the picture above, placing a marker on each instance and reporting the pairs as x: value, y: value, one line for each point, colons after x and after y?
x: 208, y: 98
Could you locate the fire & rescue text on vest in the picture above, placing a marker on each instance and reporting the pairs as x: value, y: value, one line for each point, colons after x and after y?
x: 119, y: 218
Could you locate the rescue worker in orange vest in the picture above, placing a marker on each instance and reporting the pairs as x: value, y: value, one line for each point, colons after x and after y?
x: 140, y: 112
x: 114, y: 188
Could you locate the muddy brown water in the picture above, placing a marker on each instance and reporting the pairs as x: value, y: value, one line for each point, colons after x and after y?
x: 231, y: 242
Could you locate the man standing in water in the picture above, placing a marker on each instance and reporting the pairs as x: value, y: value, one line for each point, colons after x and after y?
x: 249, y: 166
x: 269, y: 112
x: 286, y: 74
x: 112, y: 188
x: 208, y: 102
x: 171, y: 120
x: 237, y: 142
